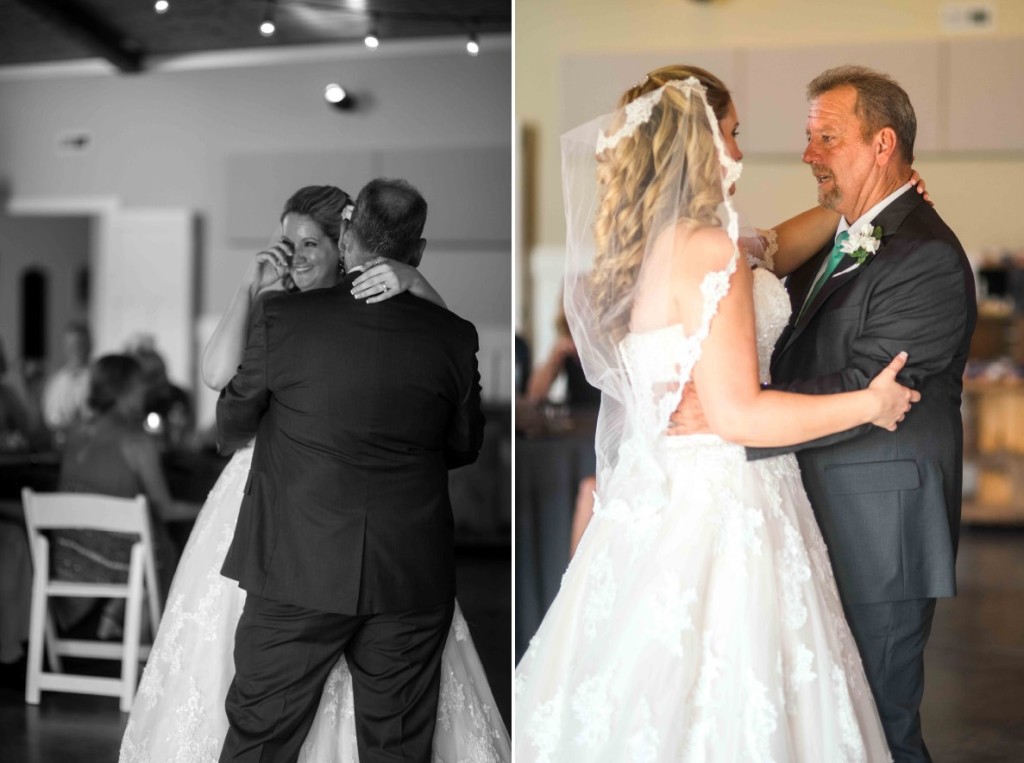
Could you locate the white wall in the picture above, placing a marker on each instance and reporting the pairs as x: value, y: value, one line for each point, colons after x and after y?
x: 167, y: 138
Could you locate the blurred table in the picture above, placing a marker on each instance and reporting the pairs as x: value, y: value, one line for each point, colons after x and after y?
x: 994, y: 452
x: 553, y: 453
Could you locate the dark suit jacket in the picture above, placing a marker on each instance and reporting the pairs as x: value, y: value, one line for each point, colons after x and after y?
x: 888, y: 504
x: 358, y: 411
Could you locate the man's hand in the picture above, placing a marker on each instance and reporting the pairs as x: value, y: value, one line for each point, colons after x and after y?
x: 688, y: 417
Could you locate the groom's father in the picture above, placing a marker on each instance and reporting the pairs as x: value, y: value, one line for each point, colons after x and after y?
x: 344, y: 542
x: 888, y: 503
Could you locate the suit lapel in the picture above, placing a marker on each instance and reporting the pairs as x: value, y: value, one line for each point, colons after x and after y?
x: 890, y: 220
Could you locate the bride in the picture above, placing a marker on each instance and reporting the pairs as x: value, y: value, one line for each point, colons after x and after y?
x: 178, y: 714
x: 699, y: 618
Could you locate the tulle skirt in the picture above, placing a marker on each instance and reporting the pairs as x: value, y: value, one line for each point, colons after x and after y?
x: 178, y: 715
x: 709, y: 629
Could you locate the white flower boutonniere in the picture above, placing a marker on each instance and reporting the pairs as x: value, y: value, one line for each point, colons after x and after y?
x: 863, y: 243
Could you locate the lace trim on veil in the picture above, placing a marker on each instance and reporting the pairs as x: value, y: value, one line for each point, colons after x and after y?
x: 639, y: 112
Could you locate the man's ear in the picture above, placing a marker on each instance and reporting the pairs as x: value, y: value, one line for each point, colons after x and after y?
x: 417, y: 252
x: 342, y: 233
x: 885, y: 145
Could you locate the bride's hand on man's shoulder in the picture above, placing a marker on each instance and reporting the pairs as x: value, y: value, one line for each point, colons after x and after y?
x: 894, y: 400
x: 382, y: 279
x: 918, y: 182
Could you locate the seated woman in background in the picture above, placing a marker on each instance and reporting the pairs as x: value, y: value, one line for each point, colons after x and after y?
x: 578, y: 391
x: 112, y: 455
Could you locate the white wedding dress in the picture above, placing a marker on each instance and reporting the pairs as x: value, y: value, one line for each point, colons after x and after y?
x: 699, y: 619
x: 178, y: 715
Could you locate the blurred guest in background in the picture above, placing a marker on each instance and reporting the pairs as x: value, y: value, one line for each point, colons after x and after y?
x: 17, y: 430
x: 171, y: 404
x: 523, y: 362
x: 563, y: 358
x: 64, y: 398
x: 112, y: 455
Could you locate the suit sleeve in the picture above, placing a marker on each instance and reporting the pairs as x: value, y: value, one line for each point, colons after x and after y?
x: 922, y: 307
x: 465, y: 433
x: 246, y: 397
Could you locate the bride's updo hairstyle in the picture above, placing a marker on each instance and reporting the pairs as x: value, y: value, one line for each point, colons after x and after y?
x: 323, y: 204
x: 629, y: 173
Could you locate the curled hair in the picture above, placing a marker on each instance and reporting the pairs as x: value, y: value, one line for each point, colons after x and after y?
x: 323, y: 204
x: 881, y: 102
x: 389, y: 218
x: 110, y: 378
x: 632, y: 194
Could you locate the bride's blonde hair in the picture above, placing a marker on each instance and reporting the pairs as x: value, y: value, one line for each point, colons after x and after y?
x: 631, y: 186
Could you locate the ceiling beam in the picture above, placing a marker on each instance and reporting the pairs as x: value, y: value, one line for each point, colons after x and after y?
x: 94, y: 32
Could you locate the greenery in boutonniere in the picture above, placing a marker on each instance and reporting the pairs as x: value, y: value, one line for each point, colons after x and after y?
x: 863, y: 243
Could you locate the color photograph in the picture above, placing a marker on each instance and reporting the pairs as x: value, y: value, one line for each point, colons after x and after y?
x: 769, y: 379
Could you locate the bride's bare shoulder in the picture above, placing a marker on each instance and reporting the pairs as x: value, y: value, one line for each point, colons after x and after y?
x: 702, y: 248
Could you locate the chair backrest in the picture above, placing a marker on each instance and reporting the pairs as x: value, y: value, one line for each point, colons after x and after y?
x: 50, y: 511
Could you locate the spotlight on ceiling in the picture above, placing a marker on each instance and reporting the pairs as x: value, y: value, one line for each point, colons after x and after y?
x: 372, y: 40
x: 267, y: 26
x: 161, y: 6
x: 473, y: 45
x: 339, y: 97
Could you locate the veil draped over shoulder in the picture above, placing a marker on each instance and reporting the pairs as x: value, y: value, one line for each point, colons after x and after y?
x: 645, y: 189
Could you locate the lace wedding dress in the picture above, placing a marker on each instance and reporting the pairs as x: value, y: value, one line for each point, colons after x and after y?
x: 699, y: 619
x: 178, y: 715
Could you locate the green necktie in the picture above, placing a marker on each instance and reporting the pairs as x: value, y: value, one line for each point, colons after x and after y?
x: 834, y: 257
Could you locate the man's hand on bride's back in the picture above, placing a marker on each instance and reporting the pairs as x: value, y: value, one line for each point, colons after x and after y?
x: 688, y: 417
x: 894, y: 400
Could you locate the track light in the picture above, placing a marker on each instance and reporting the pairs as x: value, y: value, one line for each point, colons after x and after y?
x: 267, y: 27
x: 161, y: 6
x: 473, y: 45
x: 338, y: 97
x: 371, y: 39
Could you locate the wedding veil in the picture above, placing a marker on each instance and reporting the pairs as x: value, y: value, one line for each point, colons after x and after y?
x: 645, y: 189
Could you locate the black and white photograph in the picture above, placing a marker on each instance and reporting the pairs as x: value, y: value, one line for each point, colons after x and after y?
x: 256, y: 374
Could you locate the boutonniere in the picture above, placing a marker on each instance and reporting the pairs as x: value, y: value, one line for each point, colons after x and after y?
x: 863, y: 243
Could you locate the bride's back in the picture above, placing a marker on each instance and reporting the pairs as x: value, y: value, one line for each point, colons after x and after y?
x: 672, y: 288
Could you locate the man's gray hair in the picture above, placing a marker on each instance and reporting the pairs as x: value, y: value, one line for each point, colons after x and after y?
x: 881, y: 102
x: 389, y: 218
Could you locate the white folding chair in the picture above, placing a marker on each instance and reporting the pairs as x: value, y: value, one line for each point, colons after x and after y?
x: 56, y: 511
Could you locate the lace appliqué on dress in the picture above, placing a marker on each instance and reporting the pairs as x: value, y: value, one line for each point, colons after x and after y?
x: 592, y: 708
x: 601, y: 594
x: 544, y: 727
x: 643, y: 743
x: 667, y: 612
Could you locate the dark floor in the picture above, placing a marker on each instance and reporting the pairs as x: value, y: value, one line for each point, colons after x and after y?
x: 973, y: 710
x: 69, y: 728
x: 974, y: 701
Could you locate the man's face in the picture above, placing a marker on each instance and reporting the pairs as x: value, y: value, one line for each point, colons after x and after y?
x: 315, y: 256
x: 840, y: 159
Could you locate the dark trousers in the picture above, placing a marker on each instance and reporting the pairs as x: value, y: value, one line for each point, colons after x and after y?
x: 891, y: 637
x: 283, y: 655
